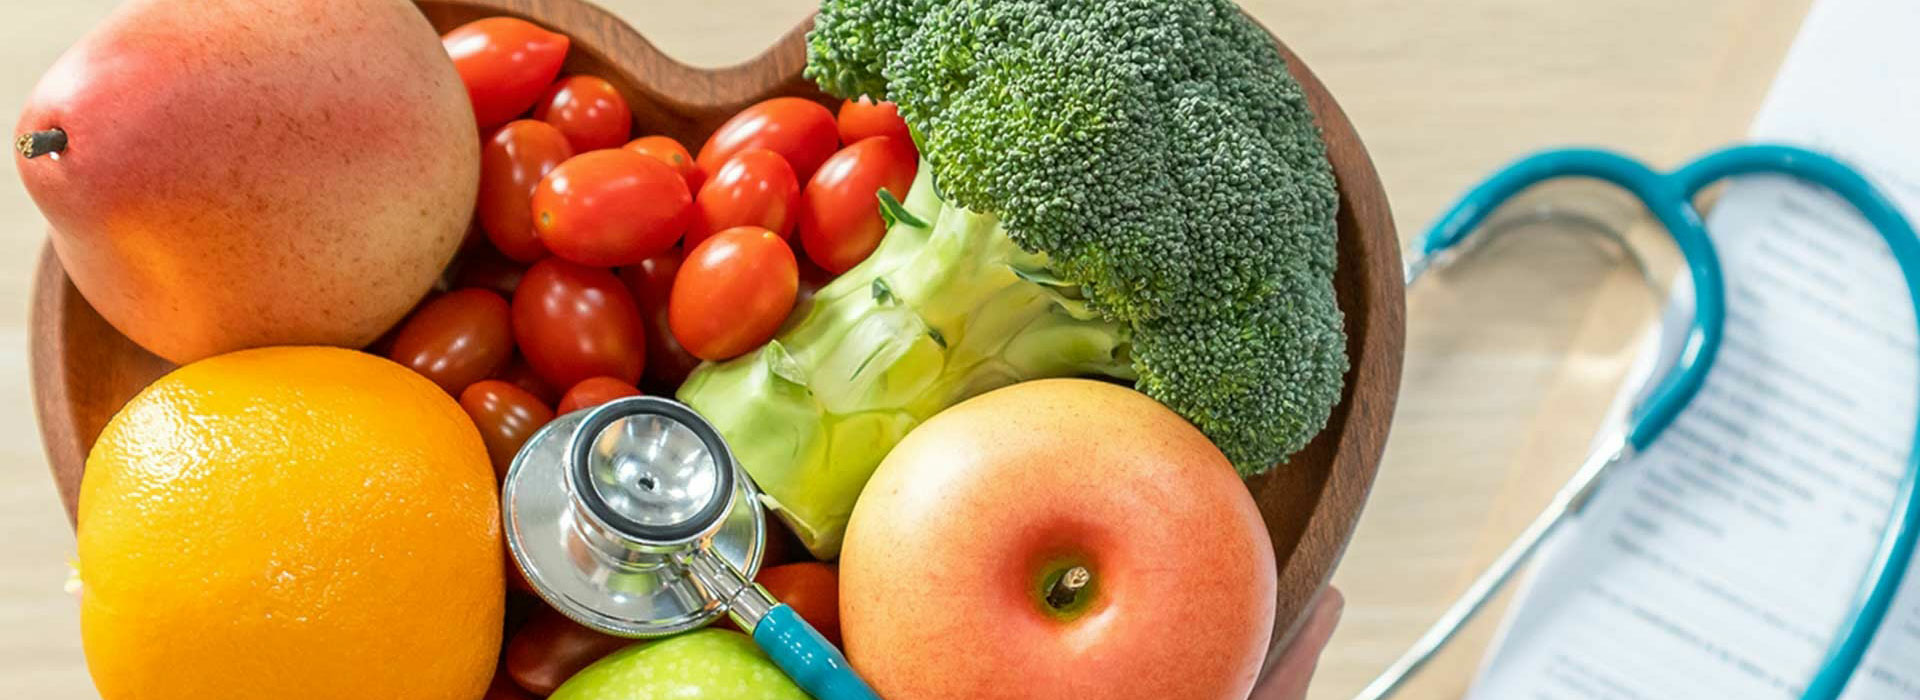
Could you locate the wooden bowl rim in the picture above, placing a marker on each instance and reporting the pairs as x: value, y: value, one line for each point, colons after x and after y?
x: 1360, y: 425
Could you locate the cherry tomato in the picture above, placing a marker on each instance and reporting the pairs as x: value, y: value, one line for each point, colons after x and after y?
x: 799, y: 130
x: 520, y: 374
x: 506, y: 416
x: 457, y: 338
x: 733, y: 292
x: 811, y: 589
x: 594, y: 391
x: 840, y: 222
x: 503, y: 688
x: 589, y: 110
x: 512, y: 164
x: 575, y: 322
x: 651, y: 283
x: 862, y: 118
x: 506, y: 64
x: 754, y: 188
x: 610, y: 207
x: 487, y: 269
x: 672, y: 153
x: 551, y: 648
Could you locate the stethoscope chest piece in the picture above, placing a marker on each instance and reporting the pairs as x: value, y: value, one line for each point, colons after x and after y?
x: 609, y: 511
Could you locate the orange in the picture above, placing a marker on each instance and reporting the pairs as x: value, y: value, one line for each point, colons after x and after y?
x: 293, y: 524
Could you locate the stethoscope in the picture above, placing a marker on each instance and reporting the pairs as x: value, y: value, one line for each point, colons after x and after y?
x: 1670, y: 199
x: 633, y: 519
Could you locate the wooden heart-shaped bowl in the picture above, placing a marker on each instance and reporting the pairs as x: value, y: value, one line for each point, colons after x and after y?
x: 84, y: 370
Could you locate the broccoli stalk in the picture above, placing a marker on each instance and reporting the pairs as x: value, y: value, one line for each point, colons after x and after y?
x: 1132, y: 189
x: 946, y: 308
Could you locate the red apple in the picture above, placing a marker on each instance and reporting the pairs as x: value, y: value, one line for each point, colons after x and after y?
x: 1057, y: 539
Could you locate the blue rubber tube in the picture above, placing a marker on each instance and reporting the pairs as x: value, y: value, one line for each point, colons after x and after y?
x: 1669, y: 198
x: 1895, y: 550
x: 1668, y: 201
x: 808, y: 658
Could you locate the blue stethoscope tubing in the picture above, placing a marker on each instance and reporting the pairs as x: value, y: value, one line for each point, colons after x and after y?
x: 1669, y: 197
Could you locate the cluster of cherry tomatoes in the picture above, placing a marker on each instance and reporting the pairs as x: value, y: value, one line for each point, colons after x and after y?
x: 603, y: 263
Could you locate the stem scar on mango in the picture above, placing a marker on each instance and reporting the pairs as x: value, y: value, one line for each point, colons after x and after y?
x: 34, y: 144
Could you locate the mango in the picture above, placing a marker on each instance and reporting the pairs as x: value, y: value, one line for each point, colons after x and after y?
x: 226, y: 174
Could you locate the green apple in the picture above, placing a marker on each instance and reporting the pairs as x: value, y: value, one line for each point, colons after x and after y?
x: 707, y: 664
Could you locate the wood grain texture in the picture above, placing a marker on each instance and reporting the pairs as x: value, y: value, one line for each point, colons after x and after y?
x: 84, y: 370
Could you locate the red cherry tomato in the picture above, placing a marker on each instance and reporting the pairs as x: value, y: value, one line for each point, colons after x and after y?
x: 754, y: 188
x: 506, y: 64
x: 575, y: 322
x: 506, y: 416
x: 840, y: 222
x: 669, y: 151
x: 487, y: 269
x: 594, y: 391
x: 651, y: 283
x: 457, y: 338
x: 589, y: 110
x: 733, y: 292
x: 811, y: 589
x: 503, y: 688
x: 862, y: 119
x: 512, y: 164
x: 551, y: 648
x: 801, y: 131
x: 520, y: 374
x: 610, y: 207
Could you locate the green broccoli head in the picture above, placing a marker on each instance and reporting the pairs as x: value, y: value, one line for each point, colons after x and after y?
x: 1123, y: 188
x: 1161, y: 158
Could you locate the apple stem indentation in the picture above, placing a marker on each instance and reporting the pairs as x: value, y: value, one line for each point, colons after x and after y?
x: 34, y: 144
x: 1067, y: 588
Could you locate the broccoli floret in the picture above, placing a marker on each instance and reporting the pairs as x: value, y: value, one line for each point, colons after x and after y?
x: 850, y: 43
x: 1127, y: 188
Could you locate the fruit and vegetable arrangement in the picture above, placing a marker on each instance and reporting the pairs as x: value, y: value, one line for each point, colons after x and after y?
x: 996, y: 330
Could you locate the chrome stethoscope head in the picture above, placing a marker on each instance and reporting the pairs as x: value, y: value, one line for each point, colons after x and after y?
x: 651, y: 470
x: 632, y: 518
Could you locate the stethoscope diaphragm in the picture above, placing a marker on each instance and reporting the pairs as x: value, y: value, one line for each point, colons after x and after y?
x: 633, y: 519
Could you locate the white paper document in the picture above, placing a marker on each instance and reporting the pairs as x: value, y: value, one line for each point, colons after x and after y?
x: 1719, y: 563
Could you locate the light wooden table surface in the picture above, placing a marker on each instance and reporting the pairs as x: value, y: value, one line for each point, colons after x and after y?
x: 1505, y: 375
